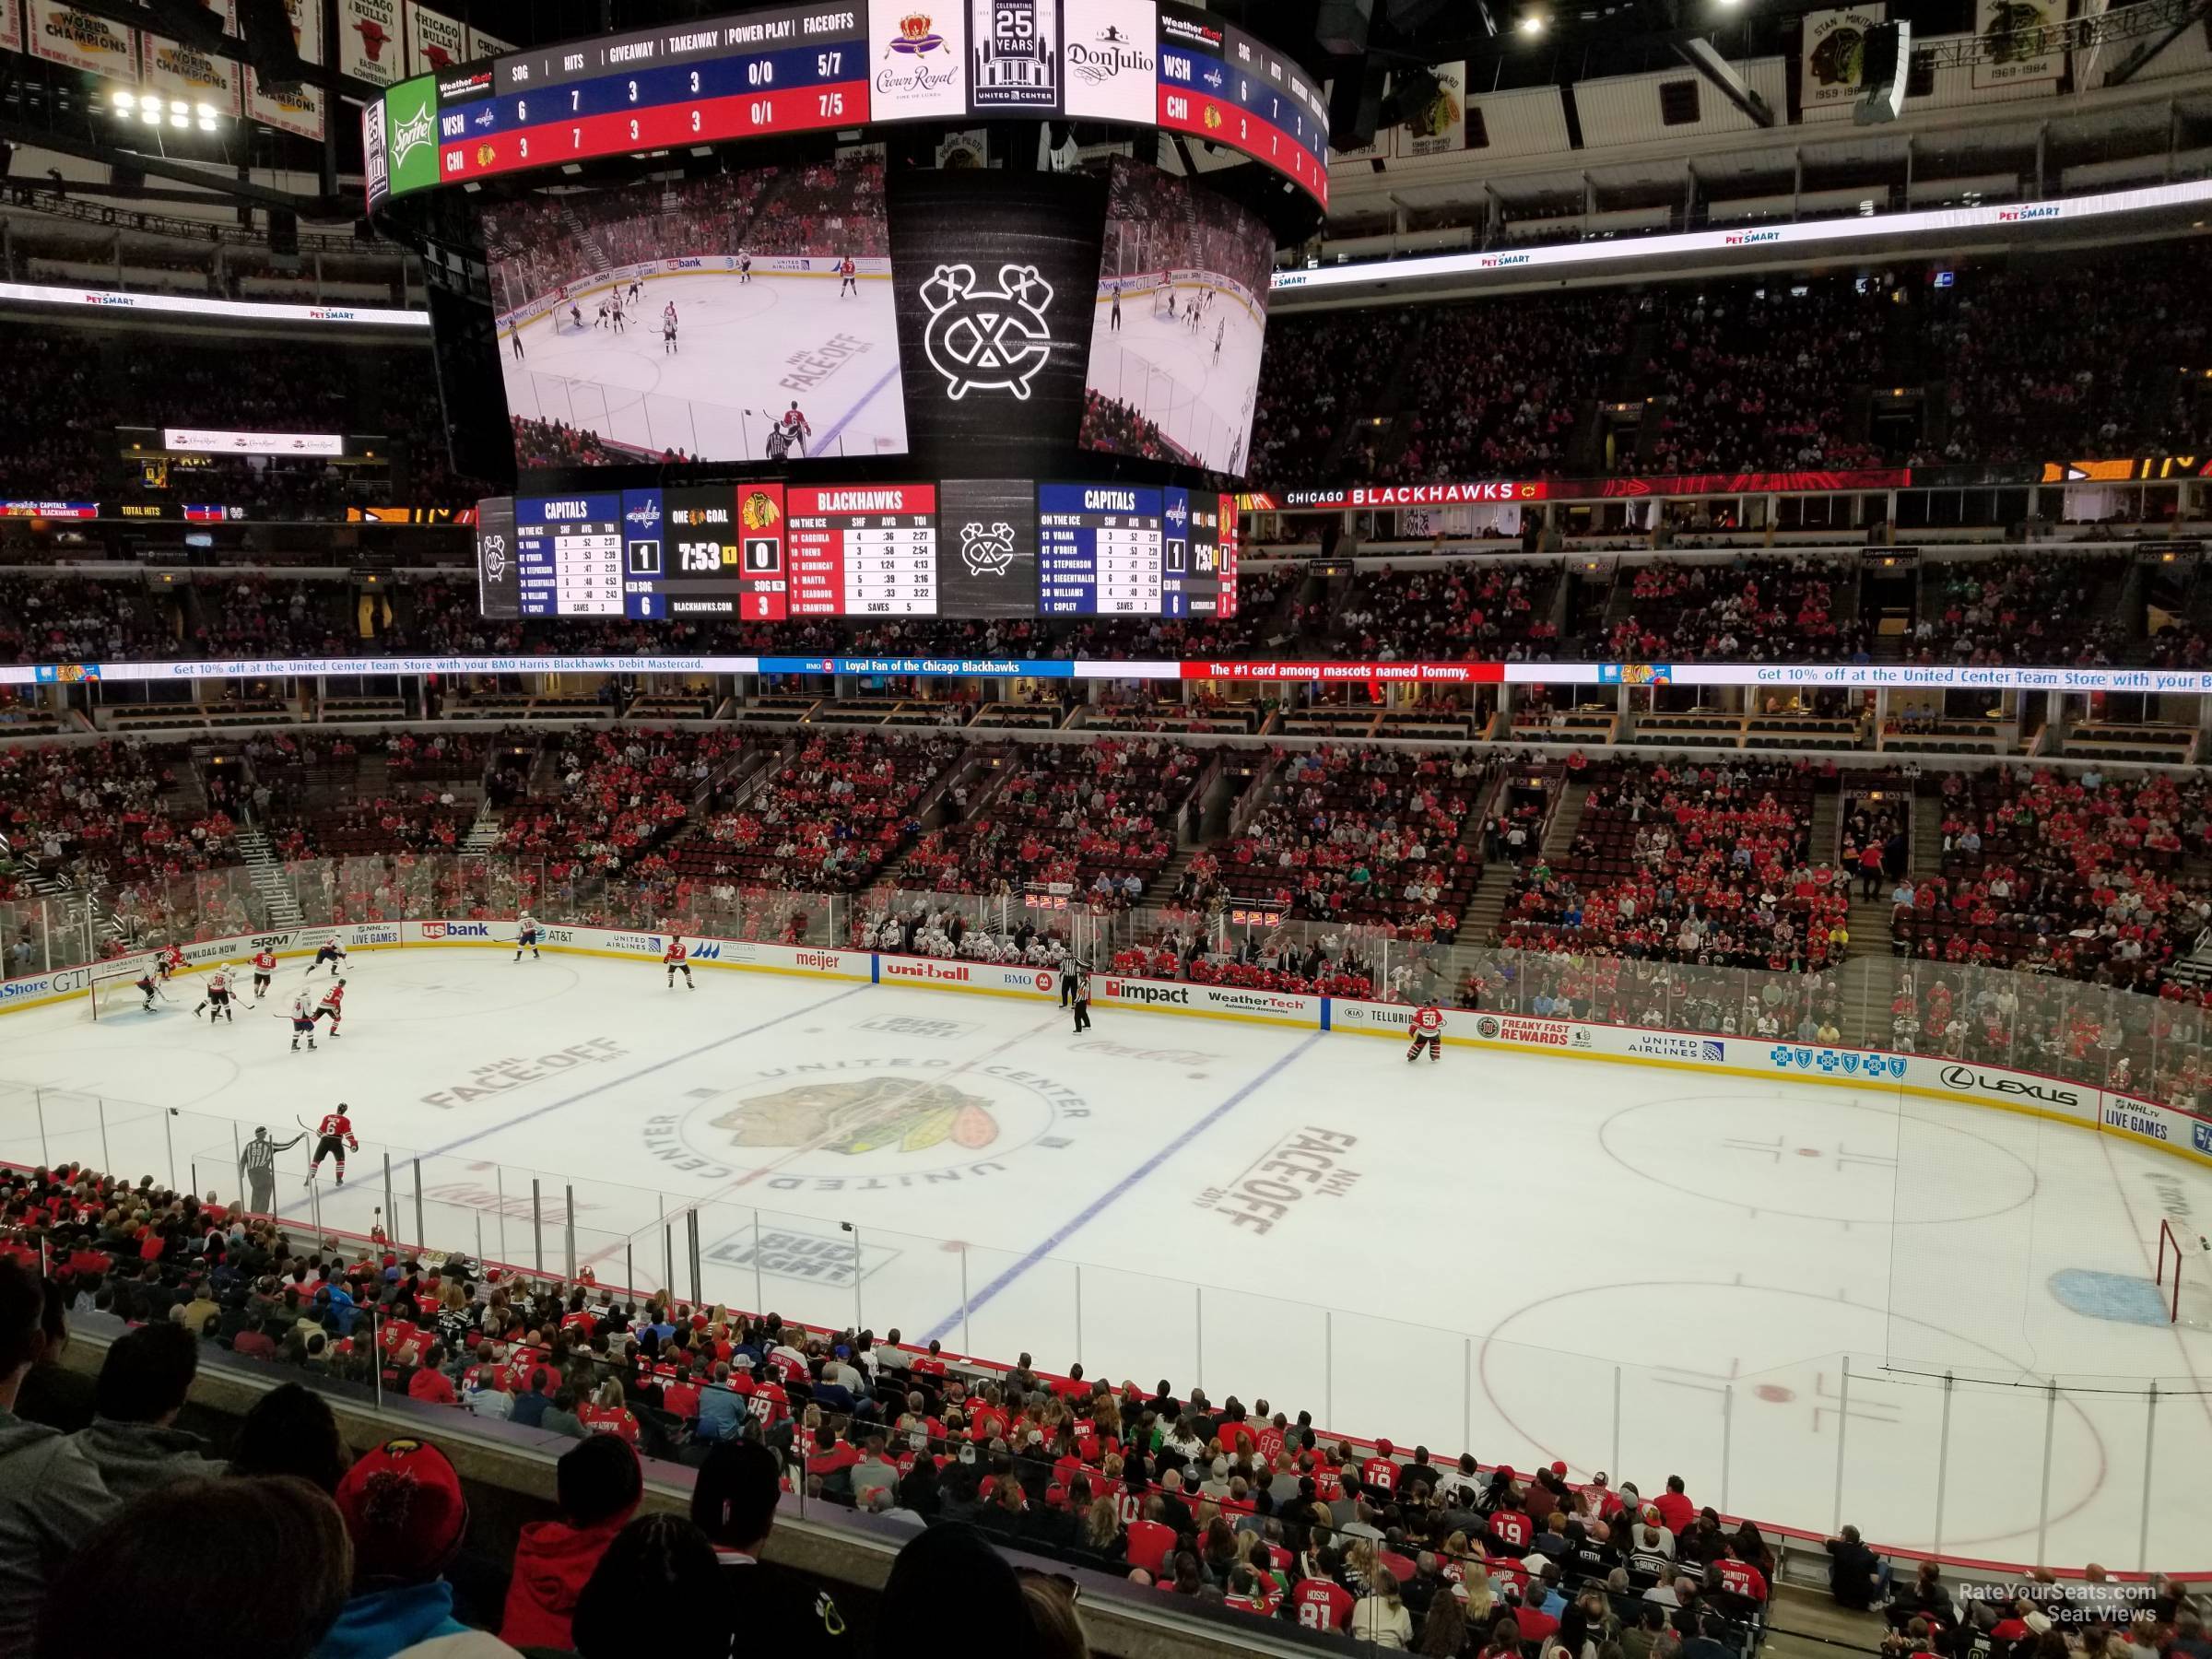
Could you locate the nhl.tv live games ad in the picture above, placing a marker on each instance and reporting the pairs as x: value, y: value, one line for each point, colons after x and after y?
x: 744, y: 317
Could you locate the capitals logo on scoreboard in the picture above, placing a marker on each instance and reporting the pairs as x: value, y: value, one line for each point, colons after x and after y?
x: 1014, y: 63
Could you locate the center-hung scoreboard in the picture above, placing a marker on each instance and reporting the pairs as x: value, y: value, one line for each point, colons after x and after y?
x: 834, y: 67
x: 767, y: 551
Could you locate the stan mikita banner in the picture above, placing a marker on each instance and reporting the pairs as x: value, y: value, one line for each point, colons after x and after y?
x: 1831, y: 61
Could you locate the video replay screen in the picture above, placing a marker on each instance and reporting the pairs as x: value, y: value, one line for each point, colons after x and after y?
x: 1181, y: 322
x: 747, y: 317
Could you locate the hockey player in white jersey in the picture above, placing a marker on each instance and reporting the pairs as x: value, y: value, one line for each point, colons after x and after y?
x: 218, y: 995
x: 303, y: 1019
x: 525, y: 937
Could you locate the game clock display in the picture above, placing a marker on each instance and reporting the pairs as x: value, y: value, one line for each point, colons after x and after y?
x: 766, y: 552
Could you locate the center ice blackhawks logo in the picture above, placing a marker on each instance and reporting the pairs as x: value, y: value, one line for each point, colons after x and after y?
x: 987, y: 339
x: 987, y: 550
x: 862, y: 1114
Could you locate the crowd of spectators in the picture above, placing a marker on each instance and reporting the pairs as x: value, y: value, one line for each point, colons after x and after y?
x: 78, y: 619
x: 619, y: 794
x: 1753, y: 376
x: 105, y: 813
x: 1320, y: 375
x: 1708, y: 865
x: 1497, y: 391
x: 2049, y: 607
x: 2044, y: 609
x: 1124, y: 429
x: 824, y: 820
x: 1372, y: 837
x: 1097, y: 818
x: 1483, y: 609
x: 1776, y: 610
x: 2076, y: 874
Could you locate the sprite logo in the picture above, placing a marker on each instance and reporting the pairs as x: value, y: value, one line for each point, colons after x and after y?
x: 411, y: 117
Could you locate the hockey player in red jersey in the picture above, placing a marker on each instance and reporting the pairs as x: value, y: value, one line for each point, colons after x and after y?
x: 170, y: 960
x: 334, y: 1005
x: 1428, y: 1032
x: 333, y: 1138
x: 264, y: 964
x: 676, y: 957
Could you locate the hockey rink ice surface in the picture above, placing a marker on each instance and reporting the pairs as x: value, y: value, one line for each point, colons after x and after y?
x: 738, y: 342
x: 1643, y: 1271
x: 1170, y: 374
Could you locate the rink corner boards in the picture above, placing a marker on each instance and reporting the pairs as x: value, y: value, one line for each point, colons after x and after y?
x: 2033, y: 1094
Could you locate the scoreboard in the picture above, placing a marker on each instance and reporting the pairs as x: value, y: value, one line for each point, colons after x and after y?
x: 1100, y: 550
x: 770, y: 551
x: 863, y: 550
x: 840, y: 64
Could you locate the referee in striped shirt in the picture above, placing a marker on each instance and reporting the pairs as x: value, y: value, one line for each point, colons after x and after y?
x: 257, y: 1163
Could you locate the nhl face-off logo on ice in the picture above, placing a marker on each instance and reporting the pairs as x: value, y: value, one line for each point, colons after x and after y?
x: 987, y: 339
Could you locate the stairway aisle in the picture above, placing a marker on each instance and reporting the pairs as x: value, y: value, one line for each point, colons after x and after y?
x: 268, y: 876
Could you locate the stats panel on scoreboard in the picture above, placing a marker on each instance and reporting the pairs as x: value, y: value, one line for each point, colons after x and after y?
x: 768, y: 552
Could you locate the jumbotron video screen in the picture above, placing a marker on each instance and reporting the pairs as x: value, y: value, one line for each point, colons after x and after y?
x: 743, y: 317
x: 1180, y: 322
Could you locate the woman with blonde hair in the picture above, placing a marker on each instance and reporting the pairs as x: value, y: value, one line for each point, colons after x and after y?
x: 1380, y: 1617
x: 1474, y: 1579
x: 1102, y: 1535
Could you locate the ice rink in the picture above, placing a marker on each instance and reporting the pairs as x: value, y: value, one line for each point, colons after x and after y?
x: 1171, y: 374
x: 746, y: 351
x: 1631, y: 1269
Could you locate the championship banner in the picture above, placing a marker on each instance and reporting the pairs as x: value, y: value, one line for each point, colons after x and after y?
x: 482, y: 46
x: 369, y: 43
x: 2017, y: 49
x: 1831, y: 62
x: 62, y: 34
x: 298, y: 108
x: 11, y: 26
x: 1441, y: 128
x: 185, y: 74
x: 435, y: 42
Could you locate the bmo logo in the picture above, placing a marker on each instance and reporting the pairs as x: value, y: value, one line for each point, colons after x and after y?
x: 456, y: 930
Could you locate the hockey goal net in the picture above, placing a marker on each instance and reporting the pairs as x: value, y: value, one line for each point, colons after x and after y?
x: 2186, y: 1277
x: 114, y: 991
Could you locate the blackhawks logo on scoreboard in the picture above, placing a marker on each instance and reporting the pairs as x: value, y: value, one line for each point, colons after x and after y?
x: 758, y: 510
x: 987, y: 339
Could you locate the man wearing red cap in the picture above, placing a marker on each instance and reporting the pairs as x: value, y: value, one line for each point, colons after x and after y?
x: 404, y: 1511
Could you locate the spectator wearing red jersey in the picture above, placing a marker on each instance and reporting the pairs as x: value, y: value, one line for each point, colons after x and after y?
x: 1151, y: 1540
x: 1317, y: 1601
x: 1676, y: 1510
x: 1380, y: 1472
x: 599, y: 1484
x: 607, y: 1415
